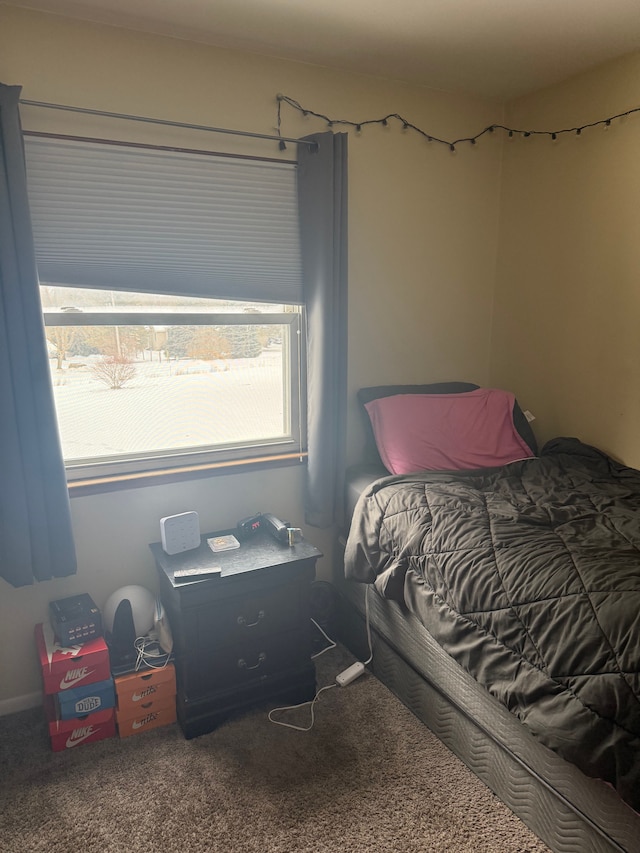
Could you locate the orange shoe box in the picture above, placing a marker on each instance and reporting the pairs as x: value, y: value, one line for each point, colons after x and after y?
x: 65, y: 668
x: 153, y: 716
x: 137, y: 689
x: 66, y: 734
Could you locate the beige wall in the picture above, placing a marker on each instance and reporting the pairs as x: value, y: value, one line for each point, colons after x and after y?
x: 423, y: 240
x: 567, y: 299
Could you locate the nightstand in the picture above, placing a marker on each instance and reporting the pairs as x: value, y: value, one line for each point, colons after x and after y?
x: 242, y: 637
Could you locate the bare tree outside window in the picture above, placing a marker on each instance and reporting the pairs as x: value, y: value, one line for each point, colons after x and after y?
x: 115, y: 371
x: 62, y: 339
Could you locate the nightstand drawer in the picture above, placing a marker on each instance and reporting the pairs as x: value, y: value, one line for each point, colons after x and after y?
x: 243, y: 663
x: 246, y: 618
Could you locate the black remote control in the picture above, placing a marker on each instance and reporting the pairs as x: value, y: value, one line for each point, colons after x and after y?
x: 196, y: 574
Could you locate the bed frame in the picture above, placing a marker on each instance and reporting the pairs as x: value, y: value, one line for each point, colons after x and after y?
x: 569, y: 811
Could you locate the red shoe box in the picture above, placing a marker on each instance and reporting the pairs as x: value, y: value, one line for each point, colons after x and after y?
x: 66, y: 734
x: 66, y: 668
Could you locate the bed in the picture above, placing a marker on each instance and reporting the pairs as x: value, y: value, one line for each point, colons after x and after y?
x: 503, y: 589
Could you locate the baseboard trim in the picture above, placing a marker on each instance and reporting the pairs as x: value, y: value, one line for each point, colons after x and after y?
x: 20, y: 703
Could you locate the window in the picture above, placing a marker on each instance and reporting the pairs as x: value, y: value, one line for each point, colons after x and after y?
x: 172, y: 299
x: 144, y: 382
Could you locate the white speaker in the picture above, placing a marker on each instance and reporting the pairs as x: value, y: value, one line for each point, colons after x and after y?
x: 180, y: 532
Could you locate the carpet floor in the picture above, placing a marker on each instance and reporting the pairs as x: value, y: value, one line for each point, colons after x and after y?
x: 368, y: 778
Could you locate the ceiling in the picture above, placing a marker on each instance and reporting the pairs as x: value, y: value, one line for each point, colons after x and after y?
x: 494, y: 48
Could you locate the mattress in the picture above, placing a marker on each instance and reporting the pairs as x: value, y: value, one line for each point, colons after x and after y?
x: 529, y: 576
x: 570, y: 812
x: 358, y: 478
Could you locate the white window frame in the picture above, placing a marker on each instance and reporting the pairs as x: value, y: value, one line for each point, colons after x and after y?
x: 205, y: 458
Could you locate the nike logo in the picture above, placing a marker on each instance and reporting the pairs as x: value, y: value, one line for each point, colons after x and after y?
x: 74, y: 676
x: 79, y: 735
x: 68, y: 650
x: 138, y: 724
x: 148, y: 692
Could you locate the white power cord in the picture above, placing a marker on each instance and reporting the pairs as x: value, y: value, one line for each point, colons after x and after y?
x: 301, y: 705
x: 366, y: 618
x: 150, y: 653
x: 328, y: 648
x: 342, y: 679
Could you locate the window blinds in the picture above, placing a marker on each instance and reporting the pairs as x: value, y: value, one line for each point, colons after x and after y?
x: 125, y: 218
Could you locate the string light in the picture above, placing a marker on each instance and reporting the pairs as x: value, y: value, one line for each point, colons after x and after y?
x: 451, y: 144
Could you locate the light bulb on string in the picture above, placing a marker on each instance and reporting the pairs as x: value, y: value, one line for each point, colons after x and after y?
x: 406, y: 125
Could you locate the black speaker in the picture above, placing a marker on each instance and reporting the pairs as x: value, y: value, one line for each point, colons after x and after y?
x: 122, y: 636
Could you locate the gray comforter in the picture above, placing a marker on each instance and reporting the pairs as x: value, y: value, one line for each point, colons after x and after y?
x: 529, y: 576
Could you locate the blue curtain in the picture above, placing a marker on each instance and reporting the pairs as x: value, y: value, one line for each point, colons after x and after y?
x: 322, y: 196
x: 36, y: 541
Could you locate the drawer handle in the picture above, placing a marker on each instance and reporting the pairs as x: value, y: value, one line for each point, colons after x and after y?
x: 242, y: 664
x: 243, y: 621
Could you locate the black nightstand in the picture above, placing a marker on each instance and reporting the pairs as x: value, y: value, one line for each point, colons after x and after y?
x: 243, y: 637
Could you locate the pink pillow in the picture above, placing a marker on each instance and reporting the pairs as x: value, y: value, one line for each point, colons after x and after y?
x: 443, y: 432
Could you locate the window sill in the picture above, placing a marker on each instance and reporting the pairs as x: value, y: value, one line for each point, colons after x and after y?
x: 162, y: 476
